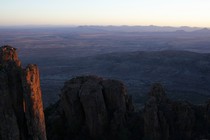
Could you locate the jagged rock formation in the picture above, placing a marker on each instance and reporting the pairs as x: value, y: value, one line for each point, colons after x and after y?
x: 21, y: 109
x: 169, y: 120
x: 91, y: 107
x: 33, y: 102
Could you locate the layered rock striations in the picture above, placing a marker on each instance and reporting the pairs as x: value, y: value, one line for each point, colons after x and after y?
x: 21, y: 109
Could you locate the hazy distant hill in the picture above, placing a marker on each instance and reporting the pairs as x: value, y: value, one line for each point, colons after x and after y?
x: 118, y: 53
x: 150, y: 28
x: 91, y: 40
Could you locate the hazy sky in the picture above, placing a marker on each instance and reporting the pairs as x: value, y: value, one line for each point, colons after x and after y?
x: 105, y: 12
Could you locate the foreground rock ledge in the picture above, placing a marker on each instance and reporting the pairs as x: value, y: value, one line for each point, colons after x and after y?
x: 21, y: 108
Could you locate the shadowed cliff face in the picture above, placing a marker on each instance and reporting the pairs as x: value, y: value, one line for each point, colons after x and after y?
x: 169, y: 120
x: 92, y: 107
x: 21, y: 109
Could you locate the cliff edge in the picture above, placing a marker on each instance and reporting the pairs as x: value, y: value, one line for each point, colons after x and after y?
x: 21, y: 107
x: 90, y: 108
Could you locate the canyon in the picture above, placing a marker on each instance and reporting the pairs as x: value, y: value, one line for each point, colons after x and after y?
x: 91, y: 107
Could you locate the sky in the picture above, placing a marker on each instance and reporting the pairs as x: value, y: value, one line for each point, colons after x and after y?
x: 105, y: 12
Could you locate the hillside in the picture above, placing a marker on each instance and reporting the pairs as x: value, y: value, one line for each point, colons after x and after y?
x: 186, y: 75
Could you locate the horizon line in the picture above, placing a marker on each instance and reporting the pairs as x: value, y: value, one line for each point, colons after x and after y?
x: 100, y: 25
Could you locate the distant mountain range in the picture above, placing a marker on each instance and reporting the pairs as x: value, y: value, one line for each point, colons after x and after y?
x: 150, y: 28
x: 123, y: 28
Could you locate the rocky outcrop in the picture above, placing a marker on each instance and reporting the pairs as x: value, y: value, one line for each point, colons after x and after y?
x: 155, y: 125
x: 173, y: 120
x: 8, y: 55
x: 92, y: 107
x: 21, y: 109
x: 9, y: 125
x: 33, y: 105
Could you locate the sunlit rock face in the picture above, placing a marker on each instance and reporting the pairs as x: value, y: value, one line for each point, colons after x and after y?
x: 33, y: 102
x: 21, y: 109
x: 8, y: 54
